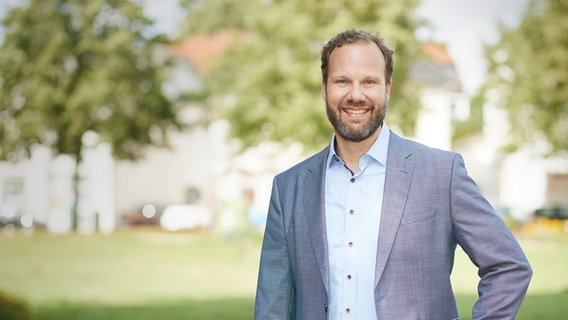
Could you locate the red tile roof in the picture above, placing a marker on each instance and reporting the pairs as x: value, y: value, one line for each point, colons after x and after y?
x: 437, y: 52
x: 201, y: 50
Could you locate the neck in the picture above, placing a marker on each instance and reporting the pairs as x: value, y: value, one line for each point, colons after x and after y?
x: 351, y: 152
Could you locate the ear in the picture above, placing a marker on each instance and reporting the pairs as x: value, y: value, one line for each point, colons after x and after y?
x: 388, y: 90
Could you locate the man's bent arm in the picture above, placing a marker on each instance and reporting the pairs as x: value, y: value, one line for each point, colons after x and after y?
x: 503, y: 269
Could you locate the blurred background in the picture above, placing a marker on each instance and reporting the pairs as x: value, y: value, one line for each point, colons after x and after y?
x: 139, y: 139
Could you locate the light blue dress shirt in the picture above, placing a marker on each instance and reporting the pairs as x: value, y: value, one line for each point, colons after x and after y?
x: 353, y: 202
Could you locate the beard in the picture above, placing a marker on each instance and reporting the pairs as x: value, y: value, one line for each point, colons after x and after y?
x: 356, y: 132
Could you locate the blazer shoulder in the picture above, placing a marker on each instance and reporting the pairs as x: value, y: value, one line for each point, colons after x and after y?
x: 411, y: 149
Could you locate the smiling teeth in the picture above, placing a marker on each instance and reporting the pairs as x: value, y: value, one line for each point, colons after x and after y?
x: 356, y: 111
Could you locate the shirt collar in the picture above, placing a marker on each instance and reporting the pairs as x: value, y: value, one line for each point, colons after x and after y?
x: 378, y: 150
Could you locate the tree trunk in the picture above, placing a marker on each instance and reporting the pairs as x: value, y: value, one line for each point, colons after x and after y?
x: 75, y: 203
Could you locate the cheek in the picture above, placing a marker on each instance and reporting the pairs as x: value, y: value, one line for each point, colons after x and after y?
x: 335, y: 96
x: 378, y: 98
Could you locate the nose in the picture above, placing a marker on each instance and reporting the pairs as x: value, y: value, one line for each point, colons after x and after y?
x: 356, y: 93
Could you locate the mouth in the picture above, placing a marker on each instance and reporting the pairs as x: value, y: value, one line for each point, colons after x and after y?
x: 356, y: 113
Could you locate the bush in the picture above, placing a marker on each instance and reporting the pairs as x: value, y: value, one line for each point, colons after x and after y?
x: 13, y: 308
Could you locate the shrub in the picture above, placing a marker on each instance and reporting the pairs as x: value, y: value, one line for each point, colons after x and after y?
x: 13, y: 308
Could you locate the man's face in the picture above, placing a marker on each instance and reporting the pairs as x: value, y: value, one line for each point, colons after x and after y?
x: 356, y: 94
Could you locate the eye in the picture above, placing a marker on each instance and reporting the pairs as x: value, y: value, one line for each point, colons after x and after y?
x: 369, y: 82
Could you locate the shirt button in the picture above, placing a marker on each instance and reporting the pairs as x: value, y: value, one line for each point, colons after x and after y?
x: 352, y: 179
x: 350, y: 244
x: 351, y: 212
x: 348, y: 277
x: 347, y: 310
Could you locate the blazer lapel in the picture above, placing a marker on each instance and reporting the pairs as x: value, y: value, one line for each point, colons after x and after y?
x: 314, y: 208
x: 397, y: 183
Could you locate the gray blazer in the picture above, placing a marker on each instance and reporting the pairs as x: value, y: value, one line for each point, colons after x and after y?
x: 430, y: 205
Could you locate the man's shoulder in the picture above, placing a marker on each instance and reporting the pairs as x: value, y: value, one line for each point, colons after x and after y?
x: 410, y: 148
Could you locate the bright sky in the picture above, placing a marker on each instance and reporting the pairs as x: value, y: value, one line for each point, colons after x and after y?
x: 463, y: 25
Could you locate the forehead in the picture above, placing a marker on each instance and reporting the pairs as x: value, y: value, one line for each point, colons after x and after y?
x: 361, y: 57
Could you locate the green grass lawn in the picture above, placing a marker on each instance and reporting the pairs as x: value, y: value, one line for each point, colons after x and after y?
x: 151, y: 274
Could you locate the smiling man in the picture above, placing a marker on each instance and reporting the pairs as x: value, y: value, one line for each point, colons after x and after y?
x: 367, y: 228
x: 355, y: 89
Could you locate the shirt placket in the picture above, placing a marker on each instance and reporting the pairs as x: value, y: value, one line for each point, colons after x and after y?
x: 349, y: 280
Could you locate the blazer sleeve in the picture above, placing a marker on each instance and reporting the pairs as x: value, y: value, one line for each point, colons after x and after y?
x: 503, y: 268
x: 275, y: 291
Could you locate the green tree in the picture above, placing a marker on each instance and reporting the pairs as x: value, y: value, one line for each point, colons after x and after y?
x: 529, y: 68
x: 268, y: 84
x: 68, y: 67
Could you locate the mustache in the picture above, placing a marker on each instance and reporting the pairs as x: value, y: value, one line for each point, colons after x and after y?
x: 356, y: 105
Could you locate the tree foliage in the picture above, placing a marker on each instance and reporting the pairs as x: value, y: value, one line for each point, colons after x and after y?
x: 268, y: 84
x: 72, y: 66
x: 68, y: 67
x: 529, y: 68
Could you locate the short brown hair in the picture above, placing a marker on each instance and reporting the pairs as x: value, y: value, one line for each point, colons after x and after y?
x: 356, y: 36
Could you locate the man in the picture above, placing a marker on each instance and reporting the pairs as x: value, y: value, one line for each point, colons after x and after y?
x: 367, y: 228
